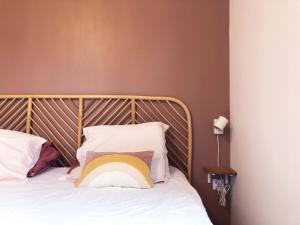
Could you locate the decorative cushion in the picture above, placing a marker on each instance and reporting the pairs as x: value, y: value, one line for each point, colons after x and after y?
x: 117, y: 169
x: 49, y: 154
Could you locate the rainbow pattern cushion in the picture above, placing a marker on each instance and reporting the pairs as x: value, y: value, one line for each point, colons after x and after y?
x: 130, y: 169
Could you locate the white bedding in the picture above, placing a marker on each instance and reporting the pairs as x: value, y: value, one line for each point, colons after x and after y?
x: 45, y: 200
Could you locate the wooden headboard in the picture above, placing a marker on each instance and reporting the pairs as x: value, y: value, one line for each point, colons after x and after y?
x: 60, y: 118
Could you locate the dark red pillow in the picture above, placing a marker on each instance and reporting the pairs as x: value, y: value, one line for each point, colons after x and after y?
x: 49, y: 154
x: 75, y: 165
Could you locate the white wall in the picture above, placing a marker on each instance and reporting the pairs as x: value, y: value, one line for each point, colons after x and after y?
x: 265, y: 111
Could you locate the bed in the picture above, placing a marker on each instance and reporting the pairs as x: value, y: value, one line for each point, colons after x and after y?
x: 50, y: 198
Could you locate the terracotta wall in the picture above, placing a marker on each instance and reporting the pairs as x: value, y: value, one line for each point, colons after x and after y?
x: 161, y: 47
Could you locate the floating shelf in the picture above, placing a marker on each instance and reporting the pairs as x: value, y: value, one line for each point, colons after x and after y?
x: 220, y: 171
x: 224, y: 172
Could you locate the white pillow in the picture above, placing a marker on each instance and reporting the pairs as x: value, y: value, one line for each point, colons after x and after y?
x: 129, y: 138
x: 18, y: 153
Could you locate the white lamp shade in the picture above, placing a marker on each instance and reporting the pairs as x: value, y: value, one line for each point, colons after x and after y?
x: 220, y: 124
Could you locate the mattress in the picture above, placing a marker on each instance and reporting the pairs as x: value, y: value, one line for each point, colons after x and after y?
x: 46, y: 200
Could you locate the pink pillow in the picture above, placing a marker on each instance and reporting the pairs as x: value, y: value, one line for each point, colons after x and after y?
x: 145, y: 156
x: 49, y: 154
x: 114, y: 169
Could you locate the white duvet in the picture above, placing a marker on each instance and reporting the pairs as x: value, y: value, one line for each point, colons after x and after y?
x: 45, y: 200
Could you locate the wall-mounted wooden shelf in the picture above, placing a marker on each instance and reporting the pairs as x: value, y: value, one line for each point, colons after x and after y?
x: 220, y: 171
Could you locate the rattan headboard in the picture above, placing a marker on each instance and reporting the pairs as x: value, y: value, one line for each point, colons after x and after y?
x: 60, y: 118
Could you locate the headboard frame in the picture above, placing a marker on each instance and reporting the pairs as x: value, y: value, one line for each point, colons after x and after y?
x: 60, y: 118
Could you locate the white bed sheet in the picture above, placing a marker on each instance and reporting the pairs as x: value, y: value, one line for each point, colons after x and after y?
x: 45, y: 200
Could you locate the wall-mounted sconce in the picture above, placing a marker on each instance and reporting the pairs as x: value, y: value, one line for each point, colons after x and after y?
x: 219, y: 124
